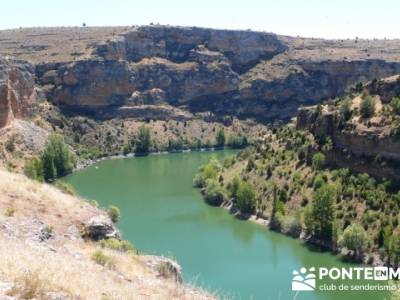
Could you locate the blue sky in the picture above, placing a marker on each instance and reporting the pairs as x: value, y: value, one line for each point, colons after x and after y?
x: 317, y: 18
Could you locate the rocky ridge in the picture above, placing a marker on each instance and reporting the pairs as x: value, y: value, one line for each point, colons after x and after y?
x: 225, y: 72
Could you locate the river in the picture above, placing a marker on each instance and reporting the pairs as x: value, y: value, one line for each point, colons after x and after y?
x: 163, y: 214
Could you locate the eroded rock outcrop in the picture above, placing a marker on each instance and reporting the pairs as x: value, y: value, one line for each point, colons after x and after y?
x: 227, y: 72
x: 17, y: 90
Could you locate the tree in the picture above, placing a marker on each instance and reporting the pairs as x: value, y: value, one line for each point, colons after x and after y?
x: 318, y: 161
x: 367, y: 106
x: 246, y: 197
x: 345, y: 109
x: 355, y: 238
x: 395, y: 105
x: 277, y: 210
x: 143, y: 140
x: 214, y: 193
x: 207, y: 171
x: 220, y: 138
x: 114, y: 213
x: 323, y: 211
x: 34, y: 169
x: 234, y: 186
x: 57, y: 159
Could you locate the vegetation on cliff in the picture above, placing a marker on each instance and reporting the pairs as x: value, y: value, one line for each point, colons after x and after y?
x: 294, y: 187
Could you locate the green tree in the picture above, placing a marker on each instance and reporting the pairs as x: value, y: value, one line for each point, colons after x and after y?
x: 246, y: 197
x: 278, y: 210
x: 318, y: 161
x: 395, y: 247
x: 34, y: 169
x: 367, y: 106
x: 395, y: 105
x: 220, y: 138
x: 345, y: 109
x: 57, y: 159
x: 323, y: 212
x: 355, y: 238
x: 207, y: 171
x: 143, y: 140
x: 214, y: 193
x: 114, y: 213
x: 234, y: 186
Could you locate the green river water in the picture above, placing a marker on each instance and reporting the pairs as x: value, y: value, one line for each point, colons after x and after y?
x: 163, y: 214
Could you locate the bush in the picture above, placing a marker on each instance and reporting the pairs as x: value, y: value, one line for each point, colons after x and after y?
x: 237, y: 142
x: 127, y: 149
x: 220, y: 139
x: 323, y: 212
x: 143, y: 141
x: 345, y: 109
x: 318, y: 161
x: 207, y: 171
x: 34, y: 169
x: 214, y: 194
x: 246, y: 197
x: 367, y: 106
x: 114, y: 213
x: 57, y: 159
x: 395, y: 105
x: 355, y: 238
x: 100, y: 258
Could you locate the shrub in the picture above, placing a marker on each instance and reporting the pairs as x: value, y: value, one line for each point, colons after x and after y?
x: 10, y: 145
x: 345, y: 109
x: 318, y: 161
x: 10, y: 211
x: 34, y: 169
x: 292, y: 225
x: 220, y: 139
x: 234, y: 186
x: 207, y: 171
x: 237, y: 142
x: 322, y: 212
x: 395, y: 105
x: 57, y: 159
x: 143, y: 140
x: 214, y: 194
x: 355, y: 238
x: 114, y: 213
x: 127, y: 149
x: 100, y: 258
x: 367, y: 106
x: 246, y: 197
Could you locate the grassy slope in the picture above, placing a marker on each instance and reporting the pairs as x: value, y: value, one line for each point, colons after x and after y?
x: 63, y: 264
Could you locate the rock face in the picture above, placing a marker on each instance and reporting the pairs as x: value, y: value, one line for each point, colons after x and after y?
x: 374, y: 149
x: 17, y: 90
x: 240, y: 73
x: 225, y: 72
x: 101, y: 227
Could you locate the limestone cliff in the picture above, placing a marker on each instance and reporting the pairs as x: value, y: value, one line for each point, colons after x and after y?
x: 226, y: 72
x: 374, y: 141
x: 17, y: 90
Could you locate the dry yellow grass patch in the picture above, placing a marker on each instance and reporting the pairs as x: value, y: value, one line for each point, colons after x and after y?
x: 36, y: 200
x: 36, y: 268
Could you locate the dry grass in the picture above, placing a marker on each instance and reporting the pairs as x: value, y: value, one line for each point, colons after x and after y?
x: 64, y: 265
x: 31, y: 199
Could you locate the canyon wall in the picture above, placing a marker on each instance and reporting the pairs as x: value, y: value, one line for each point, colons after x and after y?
x: 17, y: 90
x: 223, y: 72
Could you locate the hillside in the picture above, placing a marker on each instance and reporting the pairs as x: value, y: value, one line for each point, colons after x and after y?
x: 328, y: 178
x: 41, y: 245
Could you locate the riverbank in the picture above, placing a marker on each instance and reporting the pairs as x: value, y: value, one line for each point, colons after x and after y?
x: 89, y: 162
